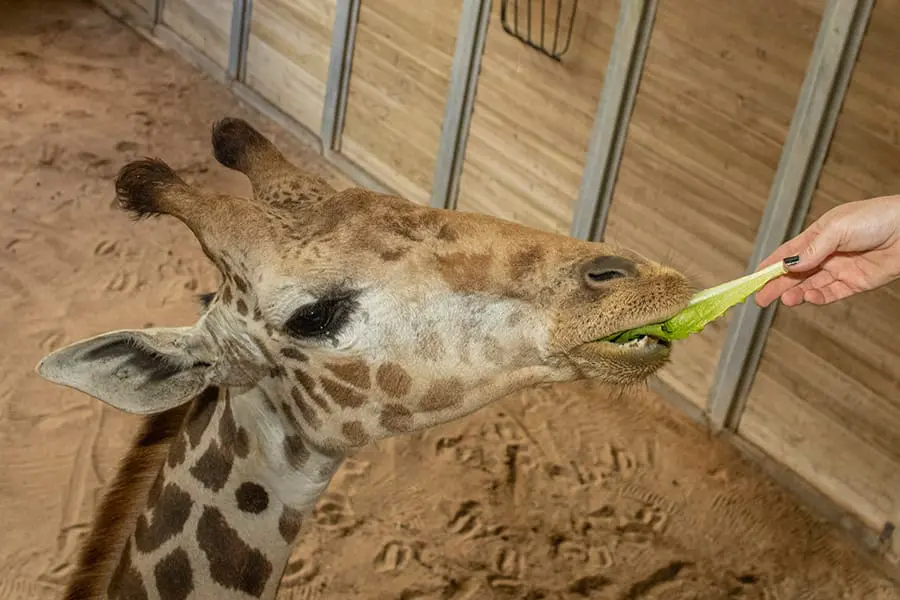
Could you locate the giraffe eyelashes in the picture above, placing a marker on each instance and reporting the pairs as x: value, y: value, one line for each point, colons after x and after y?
x: 323, y: 318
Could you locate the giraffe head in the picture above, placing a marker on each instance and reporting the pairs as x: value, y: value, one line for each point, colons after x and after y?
x: 368, y: 314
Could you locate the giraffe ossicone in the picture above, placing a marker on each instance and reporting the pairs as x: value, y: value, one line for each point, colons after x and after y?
x: 342, y: 317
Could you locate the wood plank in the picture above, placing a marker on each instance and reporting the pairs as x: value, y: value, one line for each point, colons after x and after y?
x: 826, y: 400
x: 205, y: 24
x: 398, y: 86
x: 715, y: 103
x: 149, y: 6
x: 137, y: 13
x: 532, y: 120
x: 288, y: 55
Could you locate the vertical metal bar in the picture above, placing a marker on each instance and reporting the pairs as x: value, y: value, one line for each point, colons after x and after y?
x: 544, y: 19
x: 240, y: 37
x: 528, y: 12
x: 604, y: 154
x: 840, y: 37
x: 340, y: 65
x: 558, y: 21
x: 516, y: 13
x: 158, y: 7
x: 470, y: 40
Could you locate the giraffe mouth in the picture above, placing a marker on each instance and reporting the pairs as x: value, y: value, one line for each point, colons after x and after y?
x: 644, y: 342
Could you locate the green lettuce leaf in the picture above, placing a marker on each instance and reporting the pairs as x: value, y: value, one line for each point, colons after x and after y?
x: 706, y: 306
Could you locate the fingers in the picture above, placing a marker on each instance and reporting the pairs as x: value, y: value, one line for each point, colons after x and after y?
x: 807, y: 289
x: 776, y: 288
x: 813, y: 246
x: 820, y: 288
x: 834, y: 291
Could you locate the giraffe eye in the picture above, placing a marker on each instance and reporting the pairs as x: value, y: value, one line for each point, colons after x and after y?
x: 323, y: 318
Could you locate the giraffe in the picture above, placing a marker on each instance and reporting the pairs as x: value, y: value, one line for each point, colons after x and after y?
x: 341, y: 318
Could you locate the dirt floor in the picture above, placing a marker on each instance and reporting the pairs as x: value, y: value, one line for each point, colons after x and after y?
x: 574, y: 492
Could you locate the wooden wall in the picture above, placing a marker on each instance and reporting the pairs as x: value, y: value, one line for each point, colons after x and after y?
x: 532, y: 121
x: 826, y: 401
x: 398, y: 90
x: 716, y: 99
x: 288, y: 54
x: 204, y: 24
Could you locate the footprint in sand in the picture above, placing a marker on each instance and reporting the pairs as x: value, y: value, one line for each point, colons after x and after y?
x: 394, y: 556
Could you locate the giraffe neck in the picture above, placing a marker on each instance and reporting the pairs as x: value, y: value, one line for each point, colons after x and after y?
x: 223, y: 514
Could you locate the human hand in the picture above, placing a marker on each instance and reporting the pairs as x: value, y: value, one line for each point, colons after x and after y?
x: 852, y: 248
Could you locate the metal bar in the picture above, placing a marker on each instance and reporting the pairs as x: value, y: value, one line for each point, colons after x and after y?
x: 470, y: 40
x: 234, y: 42
x: 340, y: 66
x: 240, y: 37
x: 840, y: 37
x: 246, y: 23
x: 158, y: 7
x: 604, y: 154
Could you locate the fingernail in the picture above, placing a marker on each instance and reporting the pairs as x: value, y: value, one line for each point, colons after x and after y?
x: 791, y: 260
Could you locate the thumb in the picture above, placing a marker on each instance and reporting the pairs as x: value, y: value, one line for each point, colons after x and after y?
x: 822, y: 243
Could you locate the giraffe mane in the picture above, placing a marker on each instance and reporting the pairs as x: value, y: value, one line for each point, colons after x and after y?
x: 122, y: 503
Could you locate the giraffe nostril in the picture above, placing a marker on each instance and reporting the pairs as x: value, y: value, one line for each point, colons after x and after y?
x: 601, y: 276
x: 603, y: 269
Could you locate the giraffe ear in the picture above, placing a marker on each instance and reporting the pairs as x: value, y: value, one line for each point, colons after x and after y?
x: 138, y: 371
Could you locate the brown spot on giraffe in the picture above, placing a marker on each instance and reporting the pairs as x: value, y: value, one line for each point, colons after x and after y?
x: 465, y: 272
x: 278, y: 372
x: 168, y: 518
x: 242, y: 307
x: 355, y: 433
x: 309, y: 386
x: 406, y: 227
x: 294, y: 354
x: 341, y: 394
x: 213, y: 467
x: 393, y: 254
x: 289, y: 524
x: 226, y: 294
x: 126, y: 582
x: 447, y: 233
x: 231, y: 436
x: 525, y: 261
x: 201, y: 414
x: 393, y: 380
x: 174, y: 576
x: 355, y: 373
x: 296, y: 451
x: 306, y: 411
x: 177, y: 450
x: 252, y: 497
x: 396, y: 418
x: 233, y: 564
x: 240, y: 282
x: 443, y: 393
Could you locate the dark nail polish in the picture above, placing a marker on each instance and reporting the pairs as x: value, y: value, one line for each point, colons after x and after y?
x: 791, y: 260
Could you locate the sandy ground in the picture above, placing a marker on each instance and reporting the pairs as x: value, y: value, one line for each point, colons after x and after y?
x: 569, y: 493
